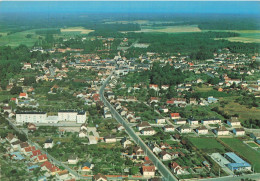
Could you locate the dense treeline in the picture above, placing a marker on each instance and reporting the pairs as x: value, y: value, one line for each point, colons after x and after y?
x: 198, y: 45
x: 166, y: 75
x: 48, y: 31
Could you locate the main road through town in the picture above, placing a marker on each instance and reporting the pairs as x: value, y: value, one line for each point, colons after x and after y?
x: 165, y: 172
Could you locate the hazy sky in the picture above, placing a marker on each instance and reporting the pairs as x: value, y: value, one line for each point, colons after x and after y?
x: 223, y: 7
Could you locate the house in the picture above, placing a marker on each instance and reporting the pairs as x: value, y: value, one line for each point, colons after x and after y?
x: 154, y: 87
x: 206, y: 164
x: 202, y: 130
x: 180, y: 121
x: 184, y: 129
x: 31, y: 127
x: 7, y: 109
x: 84, y: 126
x: 107, y: 114
x: 142, y: 125
x: 36, y: 153
x: 154, y: 99
x: 120, y: 127
x: 165, y: 156
x: 126, y: 143
x: 27, y: 66
x: 48, y: 143
x: 233, y: 122
x: 16, y: 145
x: 148, y: 131
x: 160, y: 121
x: 41, y: 158
x: 28, y: 150
x: 23, y: 95
x: 193, y: 101
x: 211, y: 121
x: 62, y: 175
x: 110, y: 139
x: 11, y: 138
x: 165, y: 87
x: 148, y: 171
x: 73, y: 159
x: 255, y: 136
x: 175, y: 116
x: 99, y: 177
x: 221, y: 131
x: 83, y: 133
x: 138, y: 151
x: 23, y: 146
x: 239, y: 131
x: 193, y: 121
x: 164, y: 109
x: 48, y: 166
x: 86, y: 166
x: 211, y: 99
x: 176, y: 168
x: 168, y: 128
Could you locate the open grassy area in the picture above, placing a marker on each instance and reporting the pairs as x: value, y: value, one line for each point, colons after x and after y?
x: 207, y: 144
x: 243, y: 111
x: 79, y: 30
x: 18, y: 38
x: 171, y: 29
x: 244, y: 150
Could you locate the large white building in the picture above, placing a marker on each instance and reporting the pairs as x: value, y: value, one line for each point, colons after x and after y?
x: 41, y: 117
x: 31, y: 117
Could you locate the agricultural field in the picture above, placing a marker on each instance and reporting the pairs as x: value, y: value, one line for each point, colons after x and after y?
x: 243, y: 111
x: 77, y: 30
x: 245, y: 151
x: 18, y: 38
x: 207, y: 144
x: 171, y: 29
x: 246, y: 36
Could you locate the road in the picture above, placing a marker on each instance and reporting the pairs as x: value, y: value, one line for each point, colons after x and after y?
x: 234, y: 178
x: 165, y: 172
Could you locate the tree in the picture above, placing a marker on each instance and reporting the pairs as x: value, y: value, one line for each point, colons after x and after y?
x: 134, y: 170
x: 16, y: 90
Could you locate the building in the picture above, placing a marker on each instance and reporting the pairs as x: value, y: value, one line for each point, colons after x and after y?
x: 221, y: 131
x: 73, y: 159
x: 143, y: 125
x: 233, y: 122
x: 48, y: 143
x: 71, y: 115
x: 23, y: 95
x: 184, y: 129
x: 211, y: 121
x: 110, y: 139
x: 86, y: 166
x: 176, y: 168
x: 41, y: 117
x: 160, y: 121
x: 192, y: 121
x: 148, y: 131
x: 180, y: 121
x: 175, y: 116
x: 202, y: 130
x: 239, y: 131
x: 31, y: 117
x: 236, y: 163
x: 168, y: 128
x: 148, y: 171
x: 99, y: 177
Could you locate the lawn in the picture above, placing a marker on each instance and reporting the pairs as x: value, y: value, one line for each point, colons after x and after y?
x: 253, y: 144
x: 207, y: 144
x: 244, y: 150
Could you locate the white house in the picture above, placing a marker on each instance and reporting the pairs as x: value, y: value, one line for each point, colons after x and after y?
x: 73, y: 159
x: 165, y: 156
x: 143, y: 125
x: 31, y: 117
x: 202, y: 130
x: 110, y: 139
x: 239, y: 131
x: 184, y: 129
x: 193, y: 121
x: 48, y: 143
x: 148, y: 171
x: 160, y: 121
x: 148, y: 131
x: 221, y: 131
x: 169, y: 128
x: 233, y: 122
x: 211, y: 121
x: 83, y: 133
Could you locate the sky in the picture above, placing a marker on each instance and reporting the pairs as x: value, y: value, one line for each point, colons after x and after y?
x: 216, y: 7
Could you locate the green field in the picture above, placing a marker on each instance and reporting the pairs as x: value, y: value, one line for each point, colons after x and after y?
x: 171, y: 29
x: 208, y: 144
x: 244, y: 150
x: 18, y: 38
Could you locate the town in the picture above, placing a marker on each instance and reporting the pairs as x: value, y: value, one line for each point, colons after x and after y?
x: 114, y: 106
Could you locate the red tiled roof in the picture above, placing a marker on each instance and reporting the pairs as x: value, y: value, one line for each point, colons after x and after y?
x: 148, y: 168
